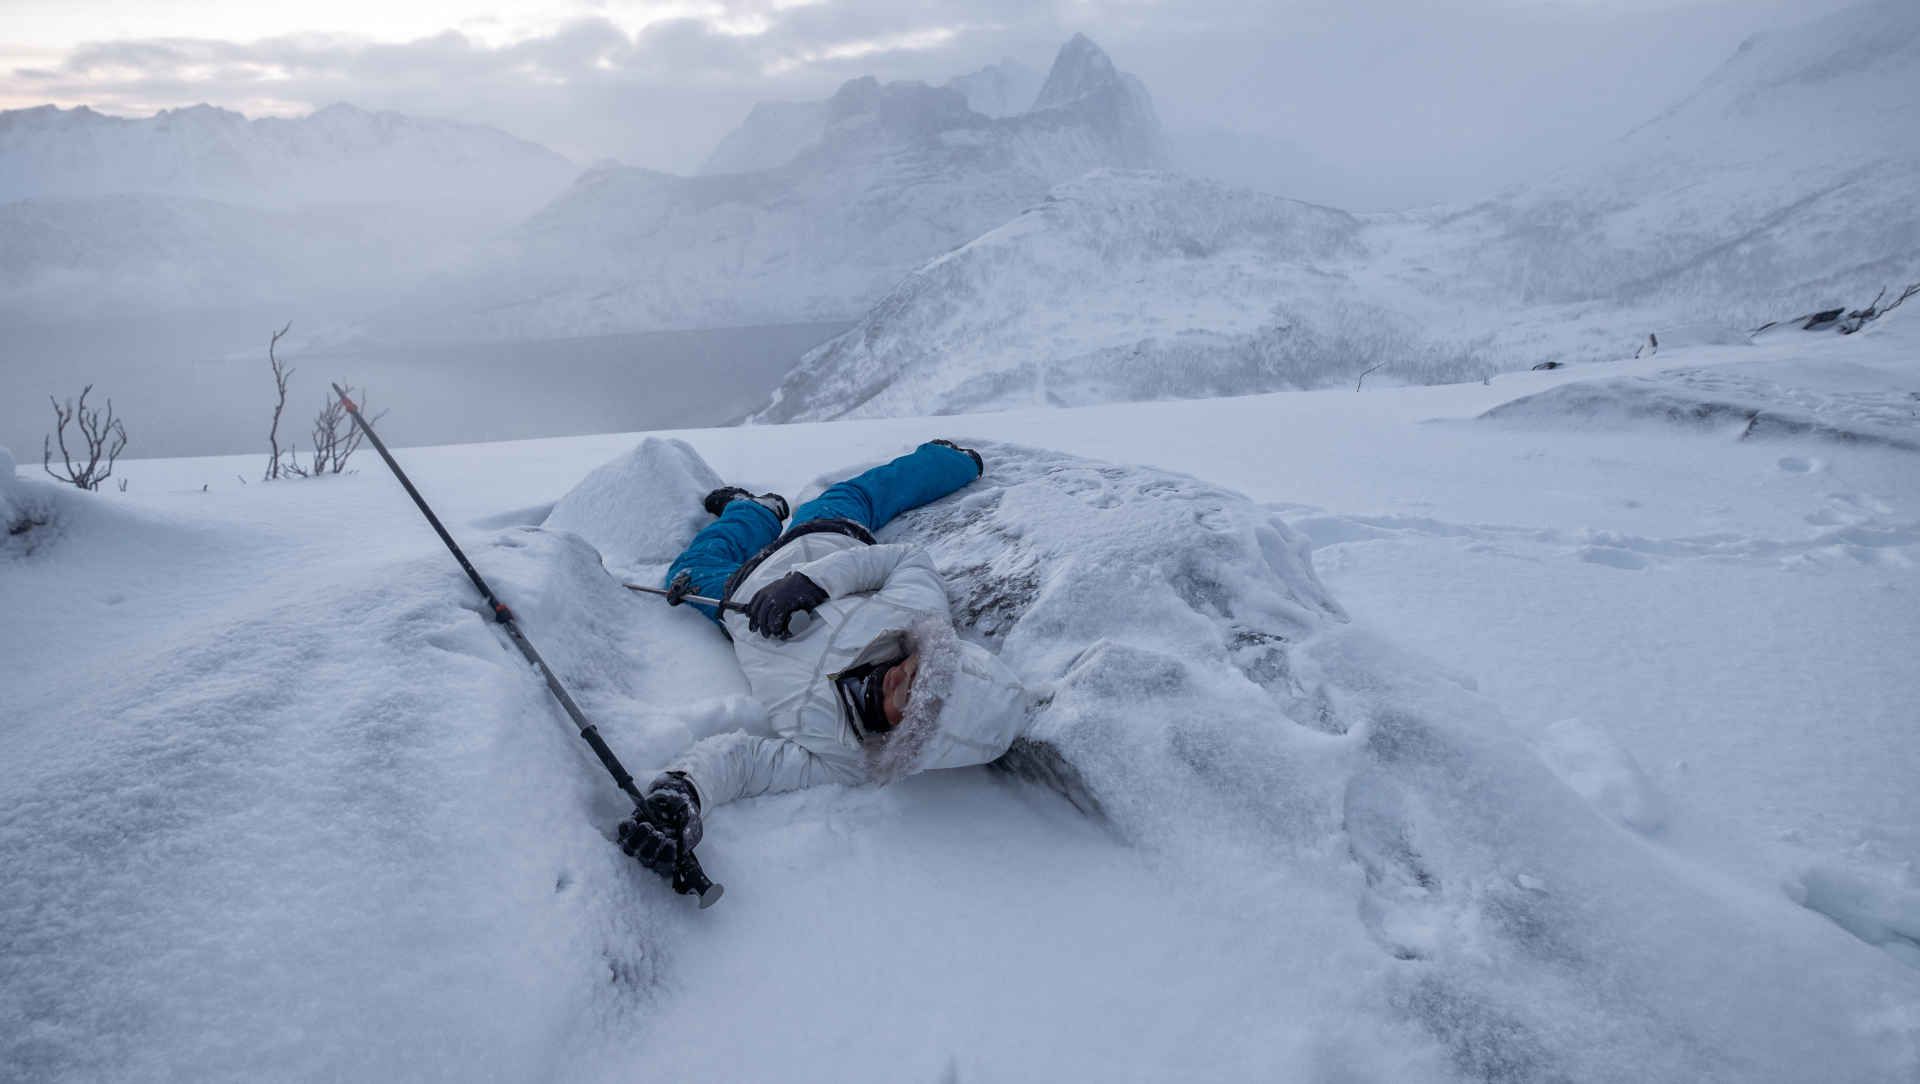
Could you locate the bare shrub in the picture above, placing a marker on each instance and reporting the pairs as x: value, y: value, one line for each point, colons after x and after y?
x: 104, y: 436
x: 335, y: 438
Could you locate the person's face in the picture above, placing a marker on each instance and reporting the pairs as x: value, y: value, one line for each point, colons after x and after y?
x: 896, y: 687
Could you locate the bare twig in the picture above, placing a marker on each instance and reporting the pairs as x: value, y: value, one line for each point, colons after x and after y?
x: 281, y: 373
x: 1363, y: 375
x: 105, y: 437
x: 335, y: 438
x: 1860, y: 318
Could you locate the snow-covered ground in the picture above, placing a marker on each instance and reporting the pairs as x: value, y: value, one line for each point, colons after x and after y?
x: 1582, y: 749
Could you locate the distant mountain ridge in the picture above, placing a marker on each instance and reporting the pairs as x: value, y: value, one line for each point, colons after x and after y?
x: 1785, y: 183
x: 339, y: 154
x: 774, y: 133
x: 899, y: 172
x: 202, y: 207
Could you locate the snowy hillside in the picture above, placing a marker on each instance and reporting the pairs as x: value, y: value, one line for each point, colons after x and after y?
x: 1401, y: 736
x: 1785, y: 181
x: 901, y: 172
x: 993, y: 322
x: 1784, y: 185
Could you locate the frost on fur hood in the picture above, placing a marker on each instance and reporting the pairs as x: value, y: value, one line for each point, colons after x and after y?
x: 966, y: 707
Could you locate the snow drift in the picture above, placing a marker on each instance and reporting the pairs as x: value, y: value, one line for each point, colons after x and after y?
x: 641, y: 508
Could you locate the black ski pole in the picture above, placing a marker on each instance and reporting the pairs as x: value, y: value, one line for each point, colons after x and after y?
x: 688, y: 877
x: 797, y: 625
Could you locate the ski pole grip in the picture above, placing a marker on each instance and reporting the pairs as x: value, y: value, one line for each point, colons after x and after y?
x: 690, y: 879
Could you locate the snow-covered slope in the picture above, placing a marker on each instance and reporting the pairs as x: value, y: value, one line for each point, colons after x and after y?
x: 1787, y: 178
x: 901, y: 172
x: 1785, y: 184
x: 282, y: 804
x: 337, y: 155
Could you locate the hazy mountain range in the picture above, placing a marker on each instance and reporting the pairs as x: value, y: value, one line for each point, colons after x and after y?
x: 202, y: 207
x: 1784, y: 184
x: 899, y: 173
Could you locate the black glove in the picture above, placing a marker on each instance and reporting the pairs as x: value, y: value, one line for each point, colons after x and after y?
x: 666, y: 826
x: 680, y: 588
x: 978, y: 463
x: 773, y: 606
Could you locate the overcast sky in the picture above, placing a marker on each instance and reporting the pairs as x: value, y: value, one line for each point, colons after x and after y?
x: 1394, y: 100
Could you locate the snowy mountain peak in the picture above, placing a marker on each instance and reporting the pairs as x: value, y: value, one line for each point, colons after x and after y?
x: 1084, y: 85
x: 1080, y: 69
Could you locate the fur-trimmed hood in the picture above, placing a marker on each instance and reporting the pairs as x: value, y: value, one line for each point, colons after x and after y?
x: 966, y: 707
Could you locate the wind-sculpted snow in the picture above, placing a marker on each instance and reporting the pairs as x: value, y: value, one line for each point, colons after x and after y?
x: 322, y: 823
x: 331, y: 830
x: 1208, y: 698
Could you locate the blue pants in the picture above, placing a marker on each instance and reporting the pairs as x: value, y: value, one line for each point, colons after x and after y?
x: 744, y: 528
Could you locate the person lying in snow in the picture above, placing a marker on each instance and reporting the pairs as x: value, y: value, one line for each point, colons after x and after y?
x: 876, y: 687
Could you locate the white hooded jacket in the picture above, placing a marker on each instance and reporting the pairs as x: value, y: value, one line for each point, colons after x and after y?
x: 883, y: 601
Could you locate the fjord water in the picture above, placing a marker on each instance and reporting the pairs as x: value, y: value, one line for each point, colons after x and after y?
x: 200, y: 384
